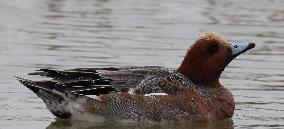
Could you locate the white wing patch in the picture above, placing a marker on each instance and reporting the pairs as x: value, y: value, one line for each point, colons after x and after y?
x: 155, y: 94
x: 131, y: 91
x: 94, y: 97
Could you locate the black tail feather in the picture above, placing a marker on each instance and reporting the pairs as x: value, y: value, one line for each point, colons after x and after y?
x: 51, y: 97
x: 79, y: 87
x: 35, y: 86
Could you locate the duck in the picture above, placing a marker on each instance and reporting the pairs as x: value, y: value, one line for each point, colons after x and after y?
x: 191, y: 92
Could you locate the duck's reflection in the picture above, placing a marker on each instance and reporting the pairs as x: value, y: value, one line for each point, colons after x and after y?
x: 76, y: 124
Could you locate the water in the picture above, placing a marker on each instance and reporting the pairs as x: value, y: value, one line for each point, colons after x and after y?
x: 66, y: 34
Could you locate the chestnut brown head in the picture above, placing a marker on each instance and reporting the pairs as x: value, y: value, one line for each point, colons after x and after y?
x: 207, y: 58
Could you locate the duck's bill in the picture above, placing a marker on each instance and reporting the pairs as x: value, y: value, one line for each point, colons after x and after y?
x: 237, y: 49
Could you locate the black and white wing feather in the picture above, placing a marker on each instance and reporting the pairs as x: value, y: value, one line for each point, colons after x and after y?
x: 93, y: 81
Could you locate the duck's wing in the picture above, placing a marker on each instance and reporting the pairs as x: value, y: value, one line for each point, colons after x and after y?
x: 167, y: 82
x: 93, y: 81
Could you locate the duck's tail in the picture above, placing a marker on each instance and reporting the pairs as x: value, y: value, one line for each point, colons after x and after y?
x: 56, y: 101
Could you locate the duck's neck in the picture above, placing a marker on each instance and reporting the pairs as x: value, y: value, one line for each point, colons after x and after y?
x: 196, y: 72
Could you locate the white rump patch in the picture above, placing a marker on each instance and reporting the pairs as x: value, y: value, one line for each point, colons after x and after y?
x: 155, y: 94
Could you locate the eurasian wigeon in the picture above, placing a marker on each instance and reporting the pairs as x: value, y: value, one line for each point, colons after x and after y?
x: 147, y: 94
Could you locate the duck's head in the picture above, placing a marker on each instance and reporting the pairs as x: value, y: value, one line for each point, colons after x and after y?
x: 208, y: 57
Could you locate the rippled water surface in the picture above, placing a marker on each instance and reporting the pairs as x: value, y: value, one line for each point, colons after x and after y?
x: 66, y: 34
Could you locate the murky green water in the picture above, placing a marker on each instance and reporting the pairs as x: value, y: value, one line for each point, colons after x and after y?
x: 66, y: 34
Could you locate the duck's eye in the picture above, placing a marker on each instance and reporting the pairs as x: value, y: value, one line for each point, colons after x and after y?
x: 213, y: 48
